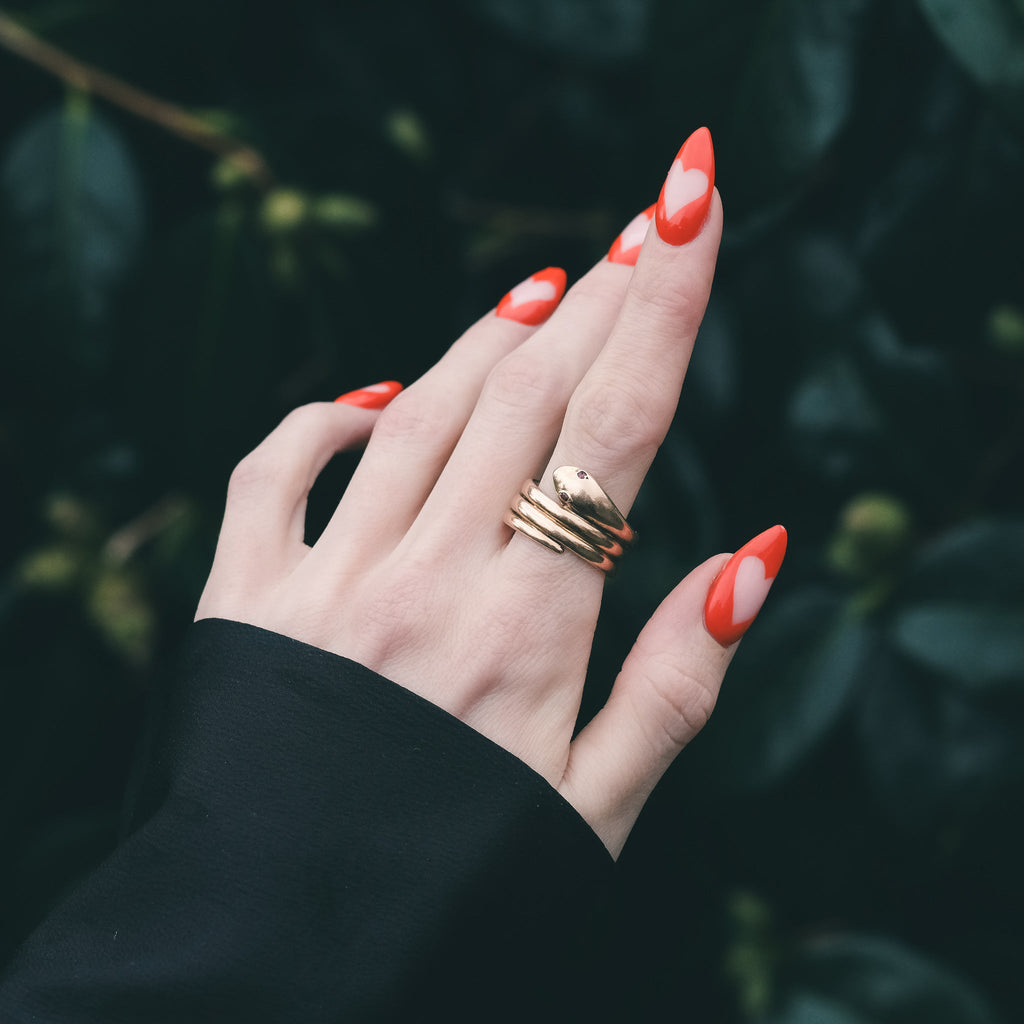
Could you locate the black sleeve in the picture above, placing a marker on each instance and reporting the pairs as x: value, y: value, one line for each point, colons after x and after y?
x: 312, y: 842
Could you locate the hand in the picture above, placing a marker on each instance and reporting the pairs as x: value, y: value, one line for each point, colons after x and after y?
x: 417, y: 577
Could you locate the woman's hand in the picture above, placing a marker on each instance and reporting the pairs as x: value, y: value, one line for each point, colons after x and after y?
x: 417, y: 577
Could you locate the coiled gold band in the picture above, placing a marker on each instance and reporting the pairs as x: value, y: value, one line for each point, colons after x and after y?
x: 584, y: 520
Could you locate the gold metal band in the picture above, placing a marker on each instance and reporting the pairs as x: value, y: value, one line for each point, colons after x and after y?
x: 563, y: 514
x: 585, y: 522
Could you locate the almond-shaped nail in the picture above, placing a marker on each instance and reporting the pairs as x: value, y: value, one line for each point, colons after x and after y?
x: 685, y: 197
x: 626, y: 248
x: 374, y: 396
x: 532, y: 301
x: 737, y: 594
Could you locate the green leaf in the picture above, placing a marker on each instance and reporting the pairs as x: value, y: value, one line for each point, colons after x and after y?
x: 933, y: 754
x: 774, y: 80
x: 980, y: 645
x: 809, y: 1008
x: 795, y: 93
x: 864, y: 384
x: 987, y: 38
x: 980, y: 562
x: 75, y: 200
x: 834, y: 420
x: 880, y: 981
x: 791, y: 680
x: 598, y: 29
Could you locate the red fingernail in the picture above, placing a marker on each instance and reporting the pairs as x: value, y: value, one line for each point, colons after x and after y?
x: 626, y: 248
x: 686, y: 195
x: 534, y: 300
x: 376, y: 396
x: 737, y: 594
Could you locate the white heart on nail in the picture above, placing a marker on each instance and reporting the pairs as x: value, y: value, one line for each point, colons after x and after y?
x: 531, y: 290
x: 749, y: 589
x: 683, y: 187
x: 377, y: 389
x: 634, y: 233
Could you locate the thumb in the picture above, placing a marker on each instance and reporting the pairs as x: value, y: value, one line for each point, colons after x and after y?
x: 668, y: 686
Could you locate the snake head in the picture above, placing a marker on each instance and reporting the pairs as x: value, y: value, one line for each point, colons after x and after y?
x: 578, y: 490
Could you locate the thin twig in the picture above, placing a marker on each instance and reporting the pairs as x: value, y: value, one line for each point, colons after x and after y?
x: 168, y: 116
x: 122, y: 544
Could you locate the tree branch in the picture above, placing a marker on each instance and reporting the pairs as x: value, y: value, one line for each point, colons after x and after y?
x: 171, y: 118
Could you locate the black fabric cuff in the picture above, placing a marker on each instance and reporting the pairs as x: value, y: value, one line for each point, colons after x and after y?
x: 313, y: 842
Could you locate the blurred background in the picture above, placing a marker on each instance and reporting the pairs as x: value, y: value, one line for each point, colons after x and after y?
x: 212, y: 212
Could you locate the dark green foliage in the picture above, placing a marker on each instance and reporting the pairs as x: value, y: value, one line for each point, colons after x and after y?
x: 858, y: 978
x: 842, y: 844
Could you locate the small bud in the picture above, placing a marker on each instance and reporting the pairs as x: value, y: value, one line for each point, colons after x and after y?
x: 1006, y: 330
x: 750, y: 958
x: 344, y: 212
x: 408, y: 133
x: 749, y: 912
x: 123, y: 614
x: 55, y: 568
x: 228, y: 175
x: 69, y: 516
x: 284, y: 210
x: 874, y: 529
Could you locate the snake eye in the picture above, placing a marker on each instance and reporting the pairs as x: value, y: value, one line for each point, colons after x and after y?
x: 564, y: 496
x: 581, y: 474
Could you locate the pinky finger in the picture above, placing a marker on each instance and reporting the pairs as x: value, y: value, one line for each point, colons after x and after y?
x: 261, y: 536
x: 667, y: 688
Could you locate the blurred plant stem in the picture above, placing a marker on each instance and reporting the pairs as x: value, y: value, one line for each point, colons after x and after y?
x: 126, y: 541
x: 85, y: 78
x: 750, y: 961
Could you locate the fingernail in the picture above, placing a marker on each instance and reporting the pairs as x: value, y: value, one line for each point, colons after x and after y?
x: 685, y: 197
x: 626, y: 248
x: 375, y: 396
x: 532, y: 301
x: 737, y: 594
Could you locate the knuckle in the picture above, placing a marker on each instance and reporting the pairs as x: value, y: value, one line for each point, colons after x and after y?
x: 302, y: 422
x: 250, y: 476
x: 272, y: 460
x: 411, y: 415
x: 523, y: 381
x: 657, y: 298
x: 619, y: 416
x: 308, y: 417
x: 592, y: 291
x: 684, y: 702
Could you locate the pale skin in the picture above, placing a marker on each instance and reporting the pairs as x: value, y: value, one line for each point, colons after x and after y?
x: 417, y: 577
